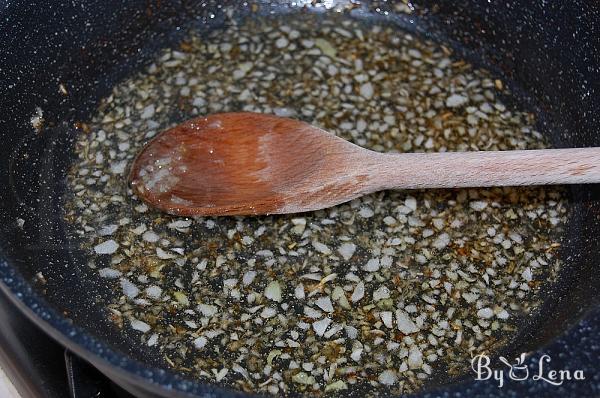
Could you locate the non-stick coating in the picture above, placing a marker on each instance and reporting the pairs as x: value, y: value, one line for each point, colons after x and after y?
x: 549, y: 50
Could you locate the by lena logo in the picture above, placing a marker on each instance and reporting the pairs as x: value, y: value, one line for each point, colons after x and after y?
x: 519, y: 371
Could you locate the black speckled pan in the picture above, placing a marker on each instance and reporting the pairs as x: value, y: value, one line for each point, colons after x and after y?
x: 548, y: 51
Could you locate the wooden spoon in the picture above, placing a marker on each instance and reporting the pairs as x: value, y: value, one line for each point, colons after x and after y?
x: 250, y: 163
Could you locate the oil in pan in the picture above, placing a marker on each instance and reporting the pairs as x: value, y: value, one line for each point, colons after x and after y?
x: 386, y: 294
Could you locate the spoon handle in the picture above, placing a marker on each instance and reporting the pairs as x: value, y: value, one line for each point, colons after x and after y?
x: 488, y: 168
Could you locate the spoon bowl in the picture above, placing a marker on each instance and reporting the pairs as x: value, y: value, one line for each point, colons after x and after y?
x: 245, y: 163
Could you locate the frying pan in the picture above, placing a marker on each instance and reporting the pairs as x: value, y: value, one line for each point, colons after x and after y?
x: 548, y: 51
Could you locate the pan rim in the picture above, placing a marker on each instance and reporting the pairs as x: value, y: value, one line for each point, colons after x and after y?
x: 40, y: 311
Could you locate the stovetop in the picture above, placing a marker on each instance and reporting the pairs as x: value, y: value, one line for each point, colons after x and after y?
x: 7, y: 389
x: 37, y: 366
